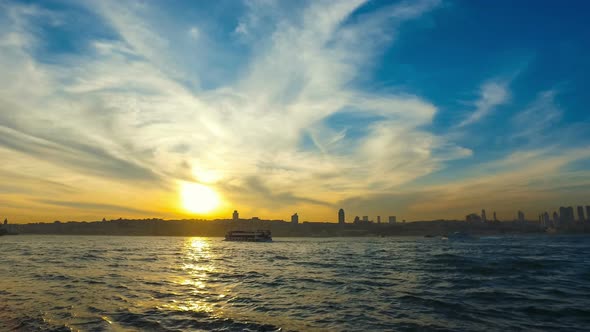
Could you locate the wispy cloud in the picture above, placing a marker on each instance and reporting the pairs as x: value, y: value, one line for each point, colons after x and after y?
x: 492, y: 94
x: 156, y: 97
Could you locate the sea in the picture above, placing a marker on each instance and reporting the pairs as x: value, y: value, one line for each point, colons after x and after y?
x: 119, y: 283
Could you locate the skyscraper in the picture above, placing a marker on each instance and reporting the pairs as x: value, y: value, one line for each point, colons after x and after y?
x: 341, y: 219
x: 495, y: 219
x: 378, y: 219
x: 588, y: 212
x: 566, y: 215
x: 581, y: 217
x: 235, y: 216
x: 555, y: 219
x: 520, y: 216
x: 295, y: 219
x: 483, y: 215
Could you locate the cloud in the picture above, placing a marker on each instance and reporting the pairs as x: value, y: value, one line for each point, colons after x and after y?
x: 105, y: 208
x: 157, y: 97
x: 534, y: 122
x: 492, y: 94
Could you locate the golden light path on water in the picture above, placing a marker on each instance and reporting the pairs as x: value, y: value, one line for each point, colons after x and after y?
x: 197, y: 263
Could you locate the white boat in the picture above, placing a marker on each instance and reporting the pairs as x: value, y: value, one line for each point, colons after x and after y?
x: 249, y: 236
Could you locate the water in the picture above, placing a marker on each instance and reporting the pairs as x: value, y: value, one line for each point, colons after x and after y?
x: 99, y: 283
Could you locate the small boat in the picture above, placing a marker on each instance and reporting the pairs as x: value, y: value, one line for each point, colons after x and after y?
x: 249, y: 236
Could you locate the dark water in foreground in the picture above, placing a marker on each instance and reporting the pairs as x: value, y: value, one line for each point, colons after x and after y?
x: 94, y: 283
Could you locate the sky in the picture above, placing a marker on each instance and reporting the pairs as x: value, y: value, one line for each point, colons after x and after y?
x: 419, y: 109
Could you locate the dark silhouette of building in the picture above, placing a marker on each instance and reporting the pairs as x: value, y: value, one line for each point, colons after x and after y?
x: 483, y: 215
x: 581, y: 217
x: 378, y: 219
x: 566, y: 215
x: 365, y: 218
x: 520, y: 216
x: 473, y: 217
x: 295, y: 219
x: 588, y: 212
x: 341, y: 219
x: 235, y: 216
x: 392, y: 219
x: 495, y: 219
x: 356, y: 219
x: 546, y: 221
x: 555, y: 219
x: 5, y: 221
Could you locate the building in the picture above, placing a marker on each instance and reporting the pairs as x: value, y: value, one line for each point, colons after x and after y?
x: 473, y: 217
x: 546, y: 220
x: 378, y: 219
x: 520, y: 216
x: 588, y: 212
x: 581, y: 217
x: 341, y: 219
x: 392, y: 219
x: 495, y: 219
x: 235, y: 216
x: 357, y: 219
x: 365, y: 218
x: 295, y: 219
x: 566, y: 215
x: 555, y: 219
x: 483, y: 215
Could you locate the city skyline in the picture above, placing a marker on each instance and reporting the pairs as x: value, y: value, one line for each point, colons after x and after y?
x: 422, y: 110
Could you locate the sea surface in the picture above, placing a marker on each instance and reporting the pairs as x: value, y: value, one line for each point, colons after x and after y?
x: 102, y: 283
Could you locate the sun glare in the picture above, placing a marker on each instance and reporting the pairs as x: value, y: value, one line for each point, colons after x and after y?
x: 197, y: 198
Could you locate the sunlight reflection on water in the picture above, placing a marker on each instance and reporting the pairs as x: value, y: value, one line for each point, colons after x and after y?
x: 161, y: 284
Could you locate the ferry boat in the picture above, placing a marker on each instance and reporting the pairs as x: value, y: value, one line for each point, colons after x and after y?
x: 249, y: 236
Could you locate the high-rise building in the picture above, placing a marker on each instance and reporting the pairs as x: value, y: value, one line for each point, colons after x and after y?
x: 588, y: 212
x: 546, y: 220
x: 341, y: 219
x: 365, y: 218
x: 555, y: 219
x: 235, y: 216
x: 520, y: 216
x: 566, y: 215
x: 392, y: 219
x: 378, y: 219
x: 483, y: 215
x: 581, y: 217
x: 495, y: 219
x: 295, y: 219
x: 357, y: 219
x: 473, y: 217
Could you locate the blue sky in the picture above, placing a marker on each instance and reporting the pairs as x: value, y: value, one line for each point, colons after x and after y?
x: 420, y: 109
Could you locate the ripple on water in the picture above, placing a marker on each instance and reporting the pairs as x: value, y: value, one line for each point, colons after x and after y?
x: 176, y: 284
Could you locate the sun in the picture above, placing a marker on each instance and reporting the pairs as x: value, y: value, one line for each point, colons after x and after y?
x: 197, y: 198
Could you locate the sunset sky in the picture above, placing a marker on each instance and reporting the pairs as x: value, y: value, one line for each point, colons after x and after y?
x: 182, y: 109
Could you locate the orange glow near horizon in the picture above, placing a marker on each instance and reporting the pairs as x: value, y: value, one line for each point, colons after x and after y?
x: 198, y: 198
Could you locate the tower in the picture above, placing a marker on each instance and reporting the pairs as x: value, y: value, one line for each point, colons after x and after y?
x: 581, y: 217
x: 483, y: 215
x: 378, y: 219
x: 235, y: 216
x: 495, y: 219
x: 341, y: 219
x: 295, y: 219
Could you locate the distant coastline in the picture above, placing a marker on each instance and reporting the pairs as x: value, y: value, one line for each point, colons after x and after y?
x: 280, y: 228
